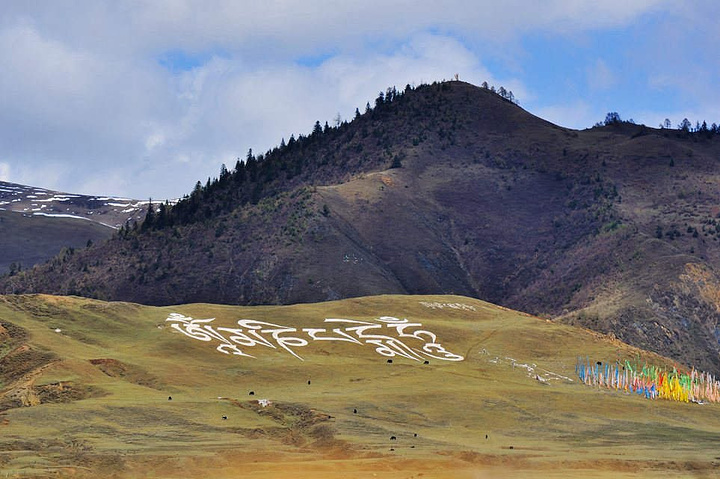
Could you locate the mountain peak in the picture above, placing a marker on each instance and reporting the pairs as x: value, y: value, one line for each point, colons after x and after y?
x: 445, y: 188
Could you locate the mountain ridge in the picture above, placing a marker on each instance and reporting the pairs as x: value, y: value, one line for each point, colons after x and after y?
x: 446, y: 188
x: 110, y: 211
x: 37, y: 223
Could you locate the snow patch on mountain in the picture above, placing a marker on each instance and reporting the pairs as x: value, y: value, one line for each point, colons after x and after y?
x: 107, y: 210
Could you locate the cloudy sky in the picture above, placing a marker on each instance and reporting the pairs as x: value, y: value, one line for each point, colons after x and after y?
x: 143, y: 98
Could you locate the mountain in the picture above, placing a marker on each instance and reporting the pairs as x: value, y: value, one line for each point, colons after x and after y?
x: 445, y: 188
x: 36, y: 223
x: 437, y: 387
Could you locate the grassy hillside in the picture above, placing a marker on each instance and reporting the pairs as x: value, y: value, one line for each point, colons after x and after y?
x: 86, y: 386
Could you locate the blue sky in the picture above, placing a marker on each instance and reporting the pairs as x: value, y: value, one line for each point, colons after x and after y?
x: 144, y: 98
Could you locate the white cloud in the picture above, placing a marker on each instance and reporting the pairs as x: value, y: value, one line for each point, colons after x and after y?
x: 4, y: 172
x: 600, y: 77
x: 145, y: 131
x: 578, y: 115
x: 300, y: 26
x: 225, y: 109
x: 316, y: 24
x: 50, y: 175
x: 88, y: 108
x: 154, y: 140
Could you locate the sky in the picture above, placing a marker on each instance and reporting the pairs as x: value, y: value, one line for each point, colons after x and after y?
x: 144, y: 98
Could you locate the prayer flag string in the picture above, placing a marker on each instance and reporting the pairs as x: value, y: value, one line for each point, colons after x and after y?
x: 650, y: 381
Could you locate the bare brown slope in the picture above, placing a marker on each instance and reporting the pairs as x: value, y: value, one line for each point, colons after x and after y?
x: 597, y: 227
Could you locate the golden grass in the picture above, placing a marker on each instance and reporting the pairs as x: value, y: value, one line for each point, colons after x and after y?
x: 132, y: 361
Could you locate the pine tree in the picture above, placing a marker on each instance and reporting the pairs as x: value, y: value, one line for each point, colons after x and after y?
x: 240, y: 175
x: 380, y: 100
x: 149, y: 221
x: 161, y: 219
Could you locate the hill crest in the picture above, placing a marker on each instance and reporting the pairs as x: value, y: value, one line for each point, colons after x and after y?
x: 613, y: 228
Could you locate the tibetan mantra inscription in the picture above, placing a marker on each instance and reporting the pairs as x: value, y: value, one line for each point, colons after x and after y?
x: 403, y: 338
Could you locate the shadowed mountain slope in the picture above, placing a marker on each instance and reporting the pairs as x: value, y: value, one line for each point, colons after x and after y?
x: 447, y: 188
x: 27, y: 240
x: 36, y: 223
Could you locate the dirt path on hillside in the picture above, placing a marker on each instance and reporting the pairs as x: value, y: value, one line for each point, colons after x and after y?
x: 22, y: 393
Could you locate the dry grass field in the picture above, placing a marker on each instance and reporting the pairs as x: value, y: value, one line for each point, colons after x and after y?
x: 85, y: 390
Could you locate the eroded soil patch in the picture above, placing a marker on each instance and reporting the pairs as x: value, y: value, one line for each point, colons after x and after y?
x: 298, y: 425
x: 21, y: 365
x: 128, y: 372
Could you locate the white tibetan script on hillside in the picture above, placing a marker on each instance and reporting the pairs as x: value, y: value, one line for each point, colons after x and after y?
x: 436, y: 305
x: 416, y: 344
